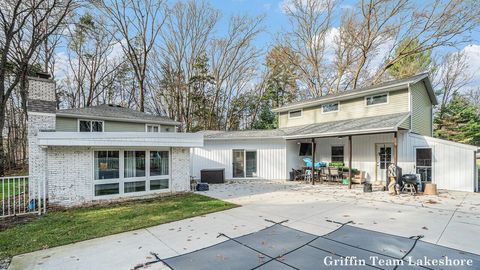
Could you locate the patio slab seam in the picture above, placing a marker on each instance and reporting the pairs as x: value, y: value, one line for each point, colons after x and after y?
x: 156, y: 237
x: 451, y: 218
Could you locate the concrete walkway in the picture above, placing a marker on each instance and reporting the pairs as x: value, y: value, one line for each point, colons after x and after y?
x: 451, y: 219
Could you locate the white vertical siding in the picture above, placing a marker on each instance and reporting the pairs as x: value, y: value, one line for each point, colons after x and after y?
x: 271, y: 157
x: 453, y: 163
x: 363, y: 149
x: 364, y: 153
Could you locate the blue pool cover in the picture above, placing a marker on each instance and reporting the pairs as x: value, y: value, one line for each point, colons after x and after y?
x: 279, y: 247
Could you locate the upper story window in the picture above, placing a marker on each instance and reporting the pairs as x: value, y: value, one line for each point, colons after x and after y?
x: 90, y: 126
x: 295, y: 114
x: 153, y: 128
x: 330, y: 107
x: 377, y: 99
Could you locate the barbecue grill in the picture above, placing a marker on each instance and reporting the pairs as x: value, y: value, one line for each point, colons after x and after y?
x: 409, y: 183
x: 409, y: 178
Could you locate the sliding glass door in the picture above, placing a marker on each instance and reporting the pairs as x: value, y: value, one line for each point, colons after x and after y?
x: 238, y: 163
x: 244, y: 163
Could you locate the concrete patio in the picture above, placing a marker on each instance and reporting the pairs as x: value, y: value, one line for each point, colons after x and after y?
x: 451, y: 219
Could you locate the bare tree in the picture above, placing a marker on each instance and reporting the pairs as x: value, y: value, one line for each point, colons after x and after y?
x: 364, y: 30
x: 439, y: 24
x: 311, y: 21
x: 137, y: 26
x: 92, y: 60
x: 202, y: 77
x: 378, y: 35
x: 234, y: 61
x: 452, y: 76
x: 185, y: 39
x: 25, y: 25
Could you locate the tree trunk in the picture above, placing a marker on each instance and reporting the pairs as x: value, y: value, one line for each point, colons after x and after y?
x: 2, y: 124
x: 142, y: 94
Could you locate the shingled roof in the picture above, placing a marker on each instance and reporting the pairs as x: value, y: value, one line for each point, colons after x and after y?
x: 366, y: 125
x: 115, y: 113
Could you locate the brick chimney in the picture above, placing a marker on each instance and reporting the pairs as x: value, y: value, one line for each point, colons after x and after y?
x: 41, y: 107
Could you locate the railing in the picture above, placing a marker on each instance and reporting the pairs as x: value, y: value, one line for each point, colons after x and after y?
x: 18, y: 197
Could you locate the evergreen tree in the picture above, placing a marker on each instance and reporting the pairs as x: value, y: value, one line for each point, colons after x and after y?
x: 459, y: 121
x: 266, y: 120
x: 281, y: 85
x: 280, y: 88
x: 412, y: 63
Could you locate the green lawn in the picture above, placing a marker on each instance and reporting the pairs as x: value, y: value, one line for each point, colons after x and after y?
x: 63, y: 227
x: 4, y: 185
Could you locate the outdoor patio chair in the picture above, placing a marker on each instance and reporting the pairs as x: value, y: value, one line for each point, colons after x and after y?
x: 308, y: 177
x: 324, y: 174
x: 334, y: 174
x: 359, y: 178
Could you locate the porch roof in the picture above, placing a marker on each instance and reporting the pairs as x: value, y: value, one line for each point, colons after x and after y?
x: 366, y: 125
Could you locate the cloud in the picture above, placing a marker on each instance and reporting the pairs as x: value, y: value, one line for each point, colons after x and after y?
x: 472, y: 53
x: 382, y: 53
x: 62, y: 66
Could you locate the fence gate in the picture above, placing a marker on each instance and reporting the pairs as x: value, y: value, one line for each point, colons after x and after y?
x: 20, y: 197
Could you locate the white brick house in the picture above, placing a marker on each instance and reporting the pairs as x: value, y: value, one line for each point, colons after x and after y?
x: 102, y: 152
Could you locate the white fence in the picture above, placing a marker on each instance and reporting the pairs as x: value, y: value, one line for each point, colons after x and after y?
x: 19, y: 197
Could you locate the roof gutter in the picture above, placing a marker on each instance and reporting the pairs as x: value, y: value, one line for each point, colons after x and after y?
x: 243, y: 138
x: 69, y: 115
x: 343, y: 133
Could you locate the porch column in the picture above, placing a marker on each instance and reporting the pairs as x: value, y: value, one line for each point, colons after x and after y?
x: 313, y: 161
x: 349, y: 162
x: 395, y: 148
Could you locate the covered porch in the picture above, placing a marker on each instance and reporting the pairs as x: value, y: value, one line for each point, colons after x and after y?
x: 358, y: 150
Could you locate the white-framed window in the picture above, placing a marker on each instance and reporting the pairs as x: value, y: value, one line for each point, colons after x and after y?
x: 338, y: 154
x: 331, y: 107
x: 118, y: 172
x: 295, y: 114
x: 152, y: 128
x: 85, y: 125
x: 376, y: 99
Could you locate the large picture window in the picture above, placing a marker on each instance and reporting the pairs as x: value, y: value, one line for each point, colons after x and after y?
x: 130, y: 171
x: 337, y: 154
x: 134, y: 162
x: 106, y: 165
x: 107, y: 189
x: 158, y: 163
x: 134, y: 186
